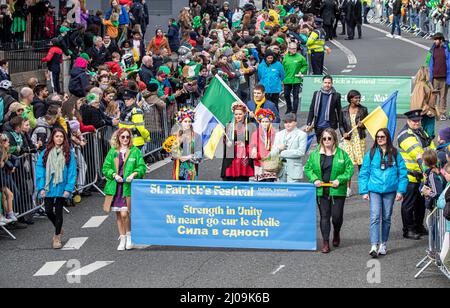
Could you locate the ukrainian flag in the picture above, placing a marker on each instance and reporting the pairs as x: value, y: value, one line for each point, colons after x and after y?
x: 384, y: 116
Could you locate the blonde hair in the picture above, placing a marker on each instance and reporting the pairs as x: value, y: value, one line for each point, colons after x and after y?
x: 115, y: 139
x: 115, y: 17
x: 111, y: 110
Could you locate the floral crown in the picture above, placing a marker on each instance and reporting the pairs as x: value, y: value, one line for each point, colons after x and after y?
x: 265, y: 114
x: 236, y: 105
x: 185, y: 113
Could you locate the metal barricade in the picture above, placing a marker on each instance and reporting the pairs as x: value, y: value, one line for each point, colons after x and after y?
x: 157, y: 123
x: 436, y: 224
x: 104, y: 136
x: 88, y: 158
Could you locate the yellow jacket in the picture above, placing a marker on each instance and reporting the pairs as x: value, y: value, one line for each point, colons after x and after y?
x: 134, y: 120
x: 316, y: 41
x: 411, y: 145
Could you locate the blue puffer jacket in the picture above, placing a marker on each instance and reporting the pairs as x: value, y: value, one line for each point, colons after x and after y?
x: 69, y: 176
x: 124, y: 18
x: 271, y: 77
x: 373, y: 179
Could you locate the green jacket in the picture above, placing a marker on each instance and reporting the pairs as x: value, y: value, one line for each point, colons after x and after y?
x: 134, y: 162
x: 28, y: 114
x: 294, y: 65
x: 342, y: 171
x: 161, y: 90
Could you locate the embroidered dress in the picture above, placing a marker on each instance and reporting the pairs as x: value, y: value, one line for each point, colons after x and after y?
x: 355, y: 147
x: 241, y: 165
x: 120, y: 203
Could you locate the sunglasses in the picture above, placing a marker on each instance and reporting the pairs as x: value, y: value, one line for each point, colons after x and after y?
x: 125, y: 137
x: 327, y: 139
x: 381, y: 137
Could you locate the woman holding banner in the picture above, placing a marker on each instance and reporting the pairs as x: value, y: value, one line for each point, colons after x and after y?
x: 353, y: 131
x: 330, y: 168
x: 187, y: 150
x: 237, y: 165
x: 123, y: 164
x: 382, y: 181
x: 261, y: 144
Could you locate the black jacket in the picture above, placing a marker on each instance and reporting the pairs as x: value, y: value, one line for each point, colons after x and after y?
x: 346, y: 122
x: 397, y: 9
x: 328, y: 12
x: 92, y: 116
x: 146, y: 74
x: 39, y: 107
x: 354, y: 12
x: 98, y: 56
x: 335, y: 111
x: 79, y: 82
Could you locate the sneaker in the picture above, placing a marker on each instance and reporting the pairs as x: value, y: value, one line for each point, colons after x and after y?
x: 123, y: 242
x: 11, y: 217
x: 349, y: 192
x: 4, y: 221
x: 397, y: 36
x: 443, y: 117
x: 374, y: 252
x: 383, y: 250
x: 390, y: 35
x: 129, y: 245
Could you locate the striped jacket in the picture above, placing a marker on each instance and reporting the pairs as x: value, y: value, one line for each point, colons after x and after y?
x: 412, y: 143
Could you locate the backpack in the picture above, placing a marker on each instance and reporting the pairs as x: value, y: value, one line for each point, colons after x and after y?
x: 76, y: 87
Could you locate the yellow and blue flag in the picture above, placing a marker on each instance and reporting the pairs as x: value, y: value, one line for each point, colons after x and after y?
x: 384, y: 116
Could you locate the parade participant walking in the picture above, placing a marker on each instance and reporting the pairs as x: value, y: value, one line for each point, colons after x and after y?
x: 123, y: 164
x: 261, y: 144
x: 382, y: 181
x: 330, y: 168
x: 237, y: 165
x: 325, y: 109
x: 290, y: 146
x: 316, y: 47
x: 413, y: 141
x: 271, y: 76
x: 56, y: 174
x: 133, y: 119
x: 188, y: 153
x: 295, y: 67
x: 354, y: 140
x: 438, y: 61
x: 261, y: 102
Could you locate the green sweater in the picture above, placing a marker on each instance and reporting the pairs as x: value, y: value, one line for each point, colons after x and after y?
x: 293, y: 65
x: 342, y: 171
x: 28, y: 114
x: 134, y: 163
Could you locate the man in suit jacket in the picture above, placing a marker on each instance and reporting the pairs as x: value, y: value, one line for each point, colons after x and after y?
x: 290, y: 145
x: 354, y: 18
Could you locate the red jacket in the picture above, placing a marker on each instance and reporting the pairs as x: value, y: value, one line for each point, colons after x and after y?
x: 126, y: 2
x: 50, y: 25
x: 86, y: 128
x: 115, y: 68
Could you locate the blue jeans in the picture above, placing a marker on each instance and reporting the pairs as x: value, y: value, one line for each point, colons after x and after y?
x: 395, y: 24
x: 381, y: 209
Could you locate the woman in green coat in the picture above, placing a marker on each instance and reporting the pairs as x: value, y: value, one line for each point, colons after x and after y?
x: 123, y: 164
x: 330, y: 169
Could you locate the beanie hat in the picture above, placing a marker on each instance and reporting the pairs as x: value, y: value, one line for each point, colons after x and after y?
x: 85, y: 56
x: 64, y: 29
x: 445, y: 134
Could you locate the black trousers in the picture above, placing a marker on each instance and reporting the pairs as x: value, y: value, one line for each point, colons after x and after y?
x: 274, y: 98
x: 317, y: 62
x: 54, y: 208
x: 351, y: 29
x: 413, y: 209
x: 238, y: 179
x: 331, y: 210
x: 295, y: 90
x: 56, y: 85
x: 329, y: 32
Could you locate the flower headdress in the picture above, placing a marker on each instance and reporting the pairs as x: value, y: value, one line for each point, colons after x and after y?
x: 265, y: 114
x: 185, y: 113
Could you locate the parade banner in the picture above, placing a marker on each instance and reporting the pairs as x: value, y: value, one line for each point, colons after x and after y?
x: 224, y: 215
x: 374, y: 90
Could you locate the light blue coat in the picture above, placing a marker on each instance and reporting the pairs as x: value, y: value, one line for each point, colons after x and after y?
x: 373, y: 179
x: 271, y: 77
x: 296, y: 142
x: 441, y: 204
x: 69, y: 178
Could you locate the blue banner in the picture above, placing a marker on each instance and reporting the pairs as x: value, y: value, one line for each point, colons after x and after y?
x: 224, y: 214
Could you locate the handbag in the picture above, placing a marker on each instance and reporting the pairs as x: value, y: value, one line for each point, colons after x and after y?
x: 272, y: 164
x: 107, y: 204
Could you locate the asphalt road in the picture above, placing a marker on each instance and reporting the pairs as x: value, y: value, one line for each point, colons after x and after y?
x: 22, y: 261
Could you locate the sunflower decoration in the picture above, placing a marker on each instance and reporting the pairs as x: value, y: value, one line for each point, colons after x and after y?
x: 169, y: 144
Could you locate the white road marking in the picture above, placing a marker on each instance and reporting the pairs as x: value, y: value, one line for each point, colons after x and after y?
x: 75, y: 243
x: 89, y: 269
x: 278, y: 269
x: 351, y: 66
x: 159, y: 164
x: 400, y: 39
x: 95, y: 222
x: 50, y: 269
x: 352, y: 60
x: 347, y: 71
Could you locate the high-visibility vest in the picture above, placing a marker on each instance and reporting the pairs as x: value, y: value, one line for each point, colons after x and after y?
x: 316, y: 41
x: 410, y: 145
x: 135, y: 122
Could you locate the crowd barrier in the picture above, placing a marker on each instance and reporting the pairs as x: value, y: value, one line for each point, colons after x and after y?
x: 90, y: 159
x: 436, y: 223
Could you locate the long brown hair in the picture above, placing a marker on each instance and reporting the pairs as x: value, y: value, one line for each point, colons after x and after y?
x: 65, y: 146
x: 115, y: 139
x: 391, y: 151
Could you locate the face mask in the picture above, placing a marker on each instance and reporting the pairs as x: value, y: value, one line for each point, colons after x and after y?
x: 104, y: 86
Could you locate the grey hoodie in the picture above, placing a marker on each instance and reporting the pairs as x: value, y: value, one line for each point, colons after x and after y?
x: 43, y: 131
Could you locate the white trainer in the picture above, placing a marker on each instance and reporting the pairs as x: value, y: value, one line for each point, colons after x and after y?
x: 383, y: 250
x: 390, y: 35
x: 349, y: 192
x: 123, y: 243
x: 374, y: 251
x: 129, y: 245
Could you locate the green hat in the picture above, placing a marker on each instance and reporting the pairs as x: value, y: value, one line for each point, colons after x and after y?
x: 197, y: 22
x: 91, y: 98
x: 64, y: 29
x: 280, y: 40
x: 85, y: 56
x: 164, y: 69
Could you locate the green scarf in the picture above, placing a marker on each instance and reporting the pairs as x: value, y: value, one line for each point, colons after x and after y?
x: 55, y: 167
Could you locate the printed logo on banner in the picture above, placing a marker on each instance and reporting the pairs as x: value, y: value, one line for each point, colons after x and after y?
x: 225, y: 215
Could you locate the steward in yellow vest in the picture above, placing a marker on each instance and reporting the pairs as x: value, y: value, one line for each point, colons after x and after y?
x: 133, y: 119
